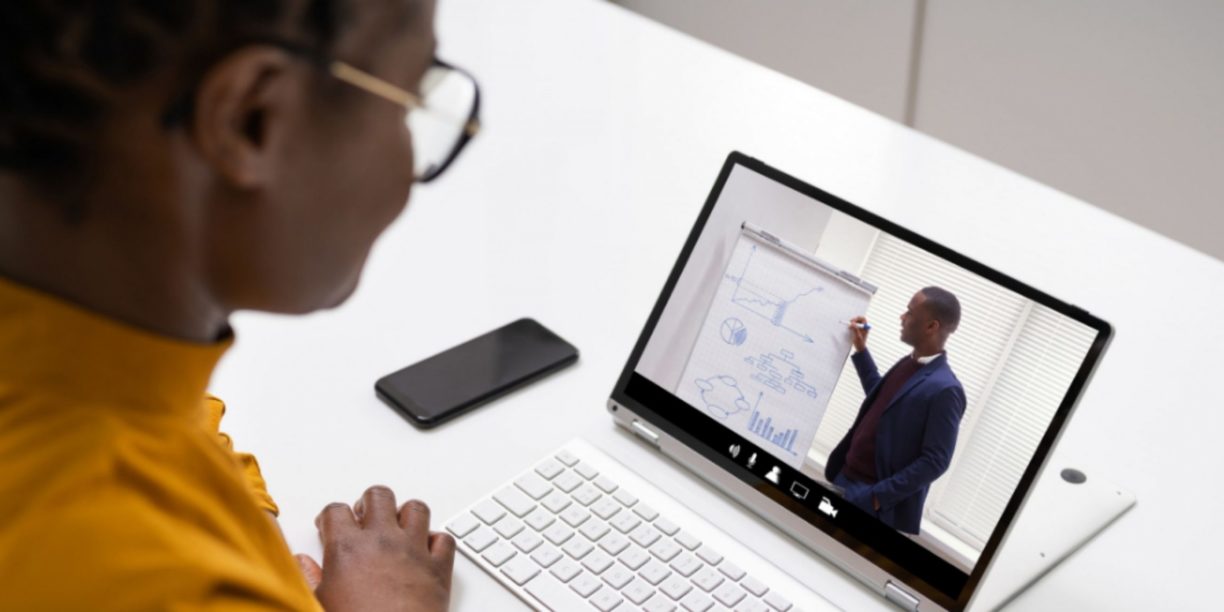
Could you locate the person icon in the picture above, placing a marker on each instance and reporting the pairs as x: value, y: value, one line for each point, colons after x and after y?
x: 773, y: 474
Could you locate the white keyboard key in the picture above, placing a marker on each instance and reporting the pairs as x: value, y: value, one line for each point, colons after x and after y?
x: 565, y: 570
x: 480, y: 539
x: 625, y: 522
x: 696, y: 602
x: 665, y: 550
x: 654, y: 572
x: 625, y: 498
x: 585, y: 584
x: 708, y: 579
x: 729, y: 594
x: 558, y: 534
x: 688, y: 540
x: 585, y: 470
x: 666, y: 526
x: 567, y: 481
x: 605, y: 508
x: 638, y: 591
x: 617, y: 576
x: 586, y: 495
x: 546, y: 555
x: 593, y: 530
x: 540, y: 518
x: 549, y: 469
x: 515, y: 501
x: 498, y: 553
x: 488, y: 511
x: 463, y: 525
x: 554, y: 595
x: 508, y: 527
x: 605, y: 484
x: 709, y: 555
x: 646, y: 512
x: 676, y: 587
x: 659, y: 603
x: 574, y: 516
x: 634, y: 558
x: 527, y: 541
x: 534, y: 486
x: 577, y: 548
x: 597, y: 562
x: 605, y: 600
x: 752, y: 605
x: 777, y: 602
x: 614, y: 543
x: 567, y: 458
x: 754, y: 586
x: 731, y: 570
x: 645, y: 535
x: 556, y: 502
x: 520, y: 569
x: 623, y: 561
x: 686, y: 565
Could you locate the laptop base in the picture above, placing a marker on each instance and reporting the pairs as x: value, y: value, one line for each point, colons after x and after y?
x: 1061, y: 516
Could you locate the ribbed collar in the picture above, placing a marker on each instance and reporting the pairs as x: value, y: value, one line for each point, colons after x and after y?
x: 52, y: 348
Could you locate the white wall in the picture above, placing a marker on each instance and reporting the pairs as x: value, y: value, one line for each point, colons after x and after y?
x: 1117, y: 102
x: 858, y: 50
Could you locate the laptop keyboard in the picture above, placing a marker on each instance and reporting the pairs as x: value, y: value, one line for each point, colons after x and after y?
x: 575, y: 539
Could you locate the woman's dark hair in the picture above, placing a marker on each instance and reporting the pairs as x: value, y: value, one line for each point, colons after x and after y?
x: 63, y: 62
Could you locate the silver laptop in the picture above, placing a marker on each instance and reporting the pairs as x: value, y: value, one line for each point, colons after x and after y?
x: 881, y: 398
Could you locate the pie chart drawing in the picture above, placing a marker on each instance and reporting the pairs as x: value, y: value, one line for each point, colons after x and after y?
x: 733, y: 331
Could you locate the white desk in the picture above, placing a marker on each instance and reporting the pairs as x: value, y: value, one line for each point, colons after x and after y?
x: 604, y: 133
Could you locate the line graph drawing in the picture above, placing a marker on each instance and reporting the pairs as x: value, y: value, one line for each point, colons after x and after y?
x: 722, y: 396
x: 758, y: 300
x: 779, y: 372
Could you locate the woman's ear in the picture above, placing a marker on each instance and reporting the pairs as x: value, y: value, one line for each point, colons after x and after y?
x: 241, y: 107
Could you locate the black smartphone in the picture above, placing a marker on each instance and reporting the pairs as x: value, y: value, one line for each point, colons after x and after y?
x: 474, y: 373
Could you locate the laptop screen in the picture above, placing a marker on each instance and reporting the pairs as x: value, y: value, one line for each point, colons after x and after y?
x: 889, y: 391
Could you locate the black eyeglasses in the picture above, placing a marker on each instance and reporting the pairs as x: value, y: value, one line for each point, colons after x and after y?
x: 442, y: 119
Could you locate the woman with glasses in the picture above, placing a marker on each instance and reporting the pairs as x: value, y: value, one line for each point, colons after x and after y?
x: 163, y: 165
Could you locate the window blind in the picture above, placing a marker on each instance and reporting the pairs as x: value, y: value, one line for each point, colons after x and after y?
x: 1014, y: 358
x: 989, y: 315
x: 1046, y: 356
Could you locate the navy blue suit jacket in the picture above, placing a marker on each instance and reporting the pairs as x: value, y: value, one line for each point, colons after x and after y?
x: 914, y: 440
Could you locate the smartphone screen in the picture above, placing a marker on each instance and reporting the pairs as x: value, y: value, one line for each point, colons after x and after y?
x: 476, y: 372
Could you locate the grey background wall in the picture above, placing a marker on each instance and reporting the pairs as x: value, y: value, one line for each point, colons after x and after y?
x: 1118, y: 102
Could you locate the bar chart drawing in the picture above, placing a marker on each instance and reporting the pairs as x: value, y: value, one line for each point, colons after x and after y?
x: 763, y: 428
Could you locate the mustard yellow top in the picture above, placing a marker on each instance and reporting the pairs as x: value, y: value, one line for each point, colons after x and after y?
x: 117, y: 491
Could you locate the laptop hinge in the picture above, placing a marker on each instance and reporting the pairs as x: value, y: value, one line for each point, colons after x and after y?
x: 645, y: 433
x: 899, y: 597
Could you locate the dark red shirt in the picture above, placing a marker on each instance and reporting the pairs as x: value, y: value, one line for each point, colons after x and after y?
x: 860, y: 459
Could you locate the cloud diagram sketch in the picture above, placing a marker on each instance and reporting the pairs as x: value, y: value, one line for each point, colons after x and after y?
x: 773, y: 344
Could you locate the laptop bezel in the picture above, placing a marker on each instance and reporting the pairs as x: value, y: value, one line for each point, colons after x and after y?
x: 776, y: 509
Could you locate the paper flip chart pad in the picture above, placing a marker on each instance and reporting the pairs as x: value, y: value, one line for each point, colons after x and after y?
x: 773, y: 344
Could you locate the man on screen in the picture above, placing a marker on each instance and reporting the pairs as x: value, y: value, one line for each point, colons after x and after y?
x: 905, y: 431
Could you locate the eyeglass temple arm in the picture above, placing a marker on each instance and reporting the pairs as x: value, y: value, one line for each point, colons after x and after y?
x: 368, y: 82
x: 364, y: 80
